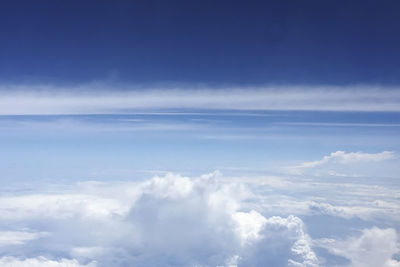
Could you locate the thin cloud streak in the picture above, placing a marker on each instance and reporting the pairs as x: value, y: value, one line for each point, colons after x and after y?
x: 344, y: 158
x: 45, y: 100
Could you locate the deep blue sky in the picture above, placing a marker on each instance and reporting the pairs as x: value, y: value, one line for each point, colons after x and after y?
x: 217, y: 42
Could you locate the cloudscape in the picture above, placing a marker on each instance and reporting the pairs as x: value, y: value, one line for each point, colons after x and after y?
x: 199, y: 133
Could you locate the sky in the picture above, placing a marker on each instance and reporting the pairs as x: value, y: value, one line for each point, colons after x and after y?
x: 228, y: 42
x: 199, y: 133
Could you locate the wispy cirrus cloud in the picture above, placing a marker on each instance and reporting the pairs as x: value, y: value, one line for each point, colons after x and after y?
x: 349, y: 164
x: 8, y: 238
x: 110, y: 99
x: 342, y: 157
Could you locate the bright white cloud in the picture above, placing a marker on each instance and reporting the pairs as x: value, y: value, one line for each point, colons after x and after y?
x: 97, y: 98
x: 165, y: 221
x: 349, y: 164
x: 180, y: 221
x: 365, y: 198
x: 342, y: 157
x: 374, y: 247
x: 59, y: 206
x: 41, y: 262
x: 17, y: 237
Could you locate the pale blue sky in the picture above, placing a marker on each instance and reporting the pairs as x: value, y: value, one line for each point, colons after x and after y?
x: 126, y: 146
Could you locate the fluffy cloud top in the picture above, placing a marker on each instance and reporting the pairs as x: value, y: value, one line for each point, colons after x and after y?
x: 374, y: 247
x: 168, y: 221
x: 204, y: 221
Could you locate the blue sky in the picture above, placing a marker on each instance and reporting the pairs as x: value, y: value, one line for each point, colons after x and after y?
x: 228, y: 42
x: 176, y: 133
x: 100, y: 146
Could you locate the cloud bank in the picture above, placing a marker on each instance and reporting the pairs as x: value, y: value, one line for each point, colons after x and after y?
x: 165, y: 221
x: 373, y: 247
x: 108, y: 99
x: 209, y: 220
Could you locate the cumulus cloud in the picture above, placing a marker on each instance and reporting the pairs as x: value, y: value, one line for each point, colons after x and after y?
x: 374, y: 247
x: 286, y: 242
x: 209, y: 220
x: 105, y: 99
x: 165, y: 221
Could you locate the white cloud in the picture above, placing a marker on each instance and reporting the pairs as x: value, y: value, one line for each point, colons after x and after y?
x: 374, y: 247
x: 17, y: 237
x: 61, y: 206
x: 366, y: 198
x: 41, y: 262
x: 342, y: 157
x: 98, y: 98
x: 301, y: 253
x: 205, y: 221
x: 165, y: 221
x: 349, y: 164
x: 351, y: 210
x: 249, y: 225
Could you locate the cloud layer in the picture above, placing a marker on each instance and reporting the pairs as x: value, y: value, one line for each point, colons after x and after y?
x: 40, y: 262
x: 373, y: 247
x: 169, y: 221
x: 202, y: 221
x: 112, y: 99
x: 349, y: 164
x: 342, y: 157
